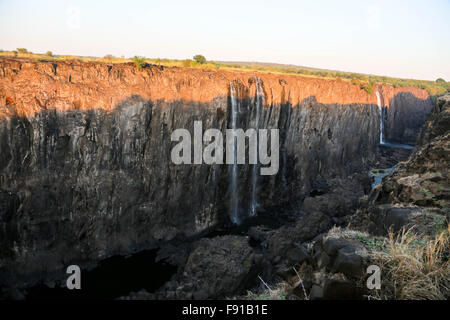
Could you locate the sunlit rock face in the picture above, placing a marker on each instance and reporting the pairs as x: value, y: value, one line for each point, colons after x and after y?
x: 85, y: 166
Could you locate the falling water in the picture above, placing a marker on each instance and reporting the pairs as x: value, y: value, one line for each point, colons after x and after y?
x: 234, y: 214
x: 283, y: 154
x: 380, y: 107
x: 258, y: 100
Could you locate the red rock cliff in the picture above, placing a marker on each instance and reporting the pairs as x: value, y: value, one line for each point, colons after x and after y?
x: 34, y: 86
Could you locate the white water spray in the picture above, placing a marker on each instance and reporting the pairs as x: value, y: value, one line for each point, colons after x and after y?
x: 259, y: 99
x: 380, y: 107
x: 234, y: 212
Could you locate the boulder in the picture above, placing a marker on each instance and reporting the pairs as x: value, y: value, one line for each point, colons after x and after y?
x: 219, y: 267
x: 348, y: 262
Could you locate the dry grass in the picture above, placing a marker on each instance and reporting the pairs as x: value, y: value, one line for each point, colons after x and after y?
x: 415, y: 268
x: 278, y: 293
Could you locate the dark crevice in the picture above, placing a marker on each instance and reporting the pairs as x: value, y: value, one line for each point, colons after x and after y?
x: 112, y: 278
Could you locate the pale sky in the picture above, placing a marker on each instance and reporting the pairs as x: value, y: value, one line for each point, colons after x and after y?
x: 400, y: 38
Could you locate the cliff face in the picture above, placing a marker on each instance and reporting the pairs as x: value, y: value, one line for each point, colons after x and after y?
x: 405, y: 117
x: 85, y: 169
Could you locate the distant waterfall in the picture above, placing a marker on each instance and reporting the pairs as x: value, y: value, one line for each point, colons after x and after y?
x: 259, y: 99
x: 382, y: 140
x: 283, y: 153
x: 234, y: 211
x: 380, y: 107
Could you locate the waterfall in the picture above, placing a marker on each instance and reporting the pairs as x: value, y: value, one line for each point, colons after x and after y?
x: 259, y: 99
x: 283, y: 151
x: 380, y: 107
x: 234, y: 212
x: 382, y: 141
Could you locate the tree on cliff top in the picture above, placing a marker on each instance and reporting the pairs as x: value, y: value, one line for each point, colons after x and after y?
x: 200, y: 59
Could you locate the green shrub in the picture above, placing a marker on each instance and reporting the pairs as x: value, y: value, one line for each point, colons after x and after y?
x: 22, y: 50
x: 49, y: 53
x: 140, y: 62
x: 440, y: 80
x: 199, y: 59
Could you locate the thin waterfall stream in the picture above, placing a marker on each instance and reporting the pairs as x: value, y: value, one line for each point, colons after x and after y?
x: 234, y: 211
x: 259, y: 99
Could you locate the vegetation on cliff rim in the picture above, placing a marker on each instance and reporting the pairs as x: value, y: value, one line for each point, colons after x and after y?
x: 364, y: 81
x: 140, y: 62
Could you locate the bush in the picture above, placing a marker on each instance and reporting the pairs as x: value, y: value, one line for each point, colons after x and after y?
x: 440, y: 80
x: 109, y: 57
x: 199, y: 59
x: 49, y: 53
x: 140, y: 62
x: 15, y: 53
x: 367, y: 86
x: 22, y: 50
x: 356, y: 82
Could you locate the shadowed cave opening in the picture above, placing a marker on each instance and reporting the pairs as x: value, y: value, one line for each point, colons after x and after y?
x: 113, y: 277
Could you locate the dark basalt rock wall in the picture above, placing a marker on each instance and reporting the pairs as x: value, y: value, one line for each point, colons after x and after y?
x: 83, y: 185
x: 405, y: 116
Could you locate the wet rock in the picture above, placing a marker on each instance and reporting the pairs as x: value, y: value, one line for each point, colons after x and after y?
x: 259, y: 233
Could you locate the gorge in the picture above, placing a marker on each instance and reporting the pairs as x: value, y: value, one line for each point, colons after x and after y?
x: 86, y: 173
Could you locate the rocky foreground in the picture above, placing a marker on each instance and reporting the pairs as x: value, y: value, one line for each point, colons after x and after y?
x: 401, y: 227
